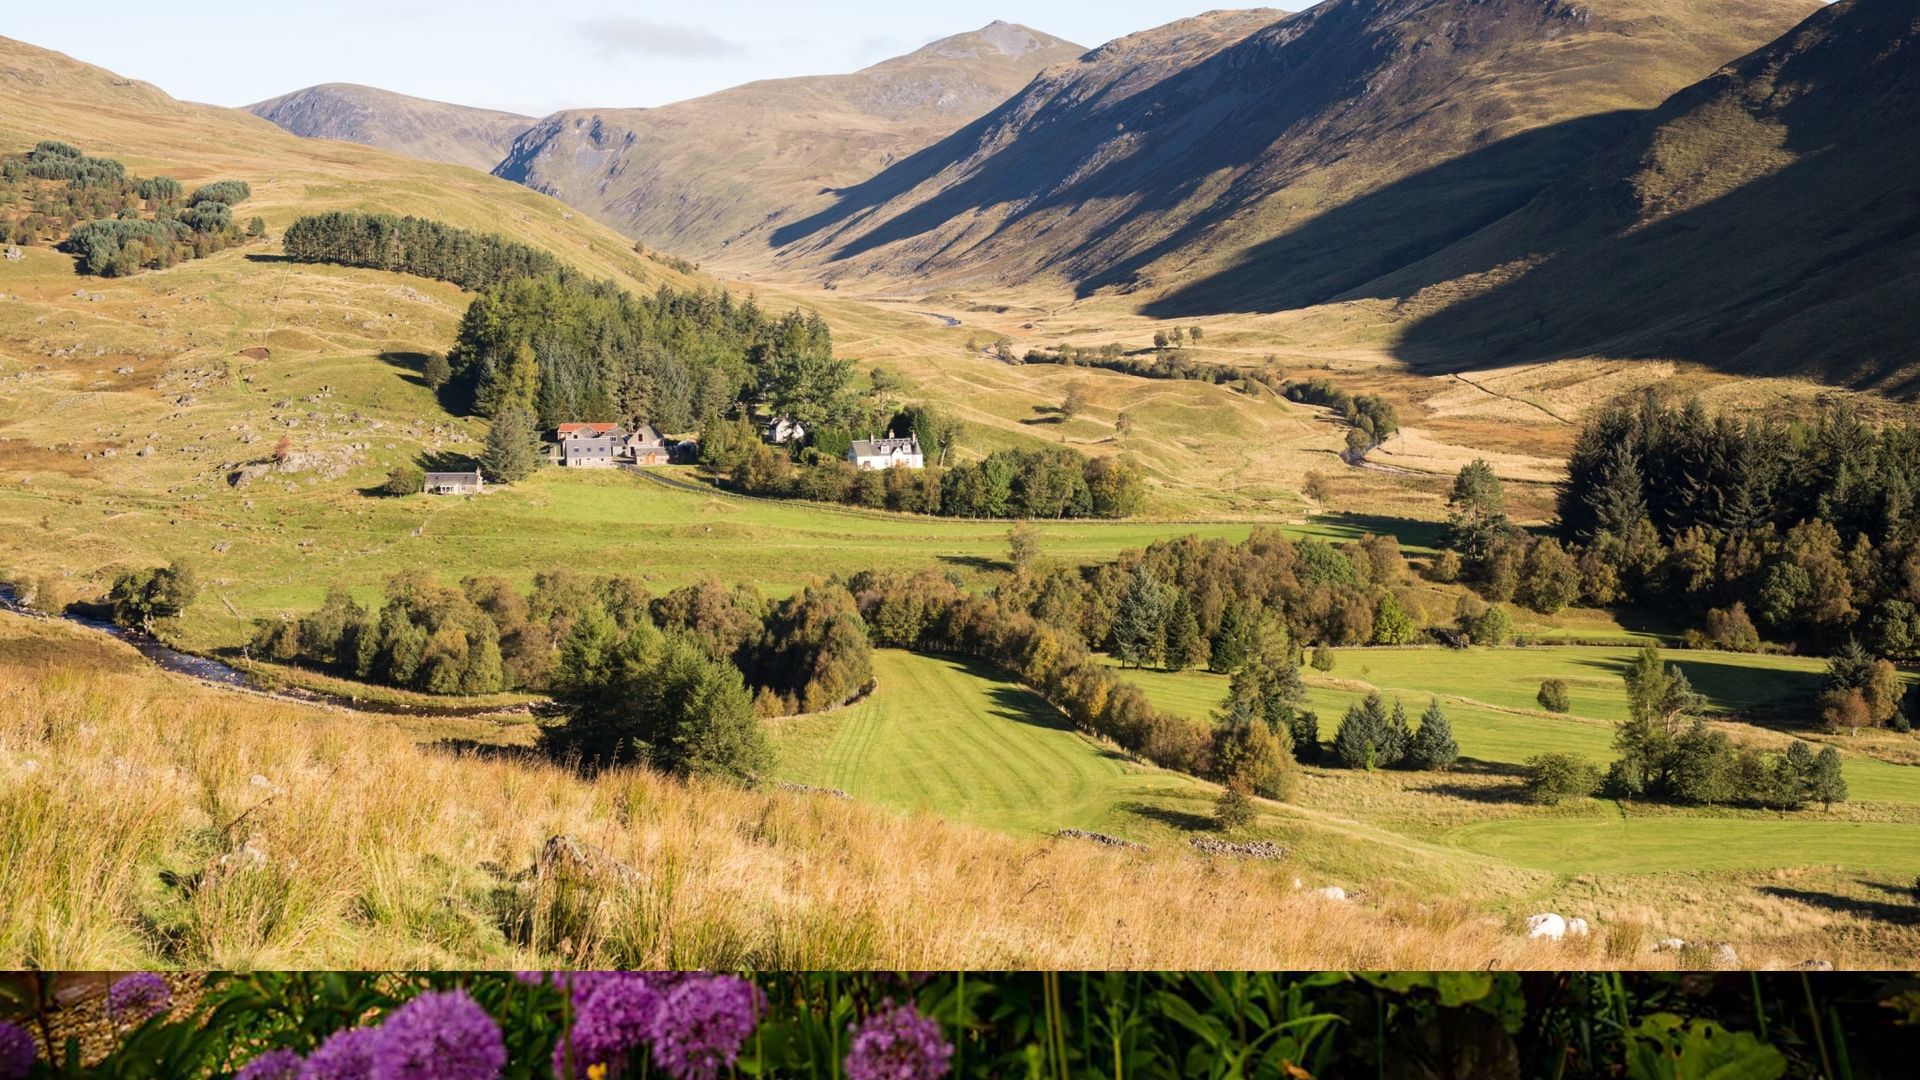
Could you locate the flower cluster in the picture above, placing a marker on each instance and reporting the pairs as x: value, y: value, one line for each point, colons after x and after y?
x: 897, y: 1043
x: 272, y: 1065
x: 436, y: 1036
x: 137, y: 997
x: 695, y: 1024
x: 16, y: 1052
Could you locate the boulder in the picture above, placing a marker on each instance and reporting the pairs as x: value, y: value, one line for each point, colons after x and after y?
x: 567, y: 859
x: 1546, y: 925
x: 1669, y: 944
x: 1724, y: 957
x: 1814, y: 965
x: 1331, y: 892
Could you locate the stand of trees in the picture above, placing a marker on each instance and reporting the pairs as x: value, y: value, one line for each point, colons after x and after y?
x: 1667, y: 751
x: 139, y: 597
x: 410, y: 245
x: 113, y: 222
x: 1373, y: 417
x: 1803, y: 533
x: 1045, y: 483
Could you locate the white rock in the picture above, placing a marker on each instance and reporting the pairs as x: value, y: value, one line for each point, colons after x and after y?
x: 1815, y: 965
x: 1577, y: 928
x: 1725, y: 957
x: 1669, y: 944
x: 1331, y: 892
x: 1546, y: 925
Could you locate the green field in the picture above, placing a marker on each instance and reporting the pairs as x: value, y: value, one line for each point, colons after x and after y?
x: 1469, y: 681
x: 1636, y: 845
x: 956, y: 737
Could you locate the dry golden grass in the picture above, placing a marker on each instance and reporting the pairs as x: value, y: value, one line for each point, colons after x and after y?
x: 145, y: 821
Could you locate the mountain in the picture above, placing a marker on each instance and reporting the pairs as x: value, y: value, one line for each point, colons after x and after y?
x: 48, y: 95
x: 1198, y: 163
x: 416, y: 127
x: 713, y: 174
x: 1765, y: 220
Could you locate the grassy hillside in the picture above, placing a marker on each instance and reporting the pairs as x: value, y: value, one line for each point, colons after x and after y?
x: 353, y: 840
x: 1201, y: 163
x: 713, y: 175
x: 52, y: 96
x: 1762, y: 221
x: 416, y: 127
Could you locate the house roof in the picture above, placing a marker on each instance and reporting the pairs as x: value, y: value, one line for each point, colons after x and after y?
x: 472, y: 477
x: 588, y: 429
x: 647, y: 435
x: 886, y: 447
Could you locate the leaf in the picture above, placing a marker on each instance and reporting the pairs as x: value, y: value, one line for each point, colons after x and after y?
x: 1667, y: 1047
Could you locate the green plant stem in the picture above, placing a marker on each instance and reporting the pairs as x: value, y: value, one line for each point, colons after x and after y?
x: 1759, y: 1006
x: 1819, y: 1029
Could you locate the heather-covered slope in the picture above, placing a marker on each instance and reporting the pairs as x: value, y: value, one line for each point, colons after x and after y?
x: 1765, y: 220
x: 416, y: 127
x: 713, y: 174
x: 1164, y: 160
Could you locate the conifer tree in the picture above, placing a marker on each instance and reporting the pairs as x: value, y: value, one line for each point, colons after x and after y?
x: 1397, y: 737
x: 510, y: 453
x: 1229, y: 651
x: 1433, y: 746
x: 1137, y: 625
x: 1824, y: 783
x: 1183, y: 639
x: 1362, y: 734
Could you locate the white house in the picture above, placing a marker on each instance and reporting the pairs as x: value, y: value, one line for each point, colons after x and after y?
x: 590, y: 445
x: 785, y: 429
x: 886, y: 453
x: 454, y: 483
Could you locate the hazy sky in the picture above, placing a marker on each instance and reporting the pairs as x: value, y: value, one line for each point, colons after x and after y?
x: 535, y: 57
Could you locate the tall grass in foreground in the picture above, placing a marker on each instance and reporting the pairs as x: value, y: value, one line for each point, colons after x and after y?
x: 144, y: 821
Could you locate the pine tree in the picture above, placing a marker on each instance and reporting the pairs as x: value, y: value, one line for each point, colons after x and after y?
x: 510, y: 453
x: 1306, y: 736
x: 1825, y: 784
x: 1433, y: 746
x: 1137, y: 625
x: 1397, y: 737
x: 1182, y: 636
x: 1230, y: 641
x: 1363, y: 731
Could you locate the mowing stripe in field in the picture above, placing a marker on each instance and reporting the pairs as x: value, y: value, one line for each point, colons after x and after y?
x: 1634, y: 845
x: 958, y: 737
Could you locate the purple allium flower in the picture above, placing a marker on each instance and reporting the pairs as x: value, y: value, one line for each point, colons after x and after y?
x: 272, y: 1065
x: 702, y: 1023
x: 17, y: 1052
x: 897, y: 1043
x: 439, y: 1036
x: 346, y: 1055
x: 614, y: 1012
x: 138, y: 996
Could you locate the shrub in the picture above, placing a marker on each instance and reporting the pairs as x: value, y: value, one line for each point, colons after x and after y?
x: 1732, y: 630
x: 1234, y: 810
x: 404, y: 479
x: 1493, y: 628
x: 226, y: 192
x: 1553, y: 777
x: 1554, y: 697
x: 1322, y: 660
x: 1391, y: 625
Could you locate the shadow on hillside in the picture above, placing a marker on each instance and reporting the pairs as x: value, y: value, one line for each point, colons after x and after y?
x: 1410, y: 533
x: 976, y: 562
x: 256, y: 258
x: 1879, y: 910
x: 1383, y: 231
x: 485, y: 751
x: 412, y: 363
x: 1178, y: 819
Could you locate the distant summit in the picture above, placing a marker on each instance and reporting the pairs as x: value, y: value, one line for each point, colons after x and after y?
x: 1254, y: 160
x: 713, y: 175
x: 416, y: 127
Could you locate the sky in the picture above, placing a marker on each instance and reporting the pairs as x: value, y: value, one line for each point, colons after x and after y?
x: 535, y: 58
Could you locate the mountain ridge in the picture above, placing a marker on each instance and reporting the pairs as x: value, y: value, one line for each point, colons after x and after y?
x: 1096, y: 178
x: 772, y: 149
x: 417, y: 127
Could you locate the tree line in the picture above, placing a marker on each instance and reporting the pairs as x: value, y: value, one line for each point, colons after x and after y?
x: 485, y: 636
x: 411, y: 245
x: 1795, y: 532
x: 114, y: 223
x: 1050, y: 482
x: 1373, y: 418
